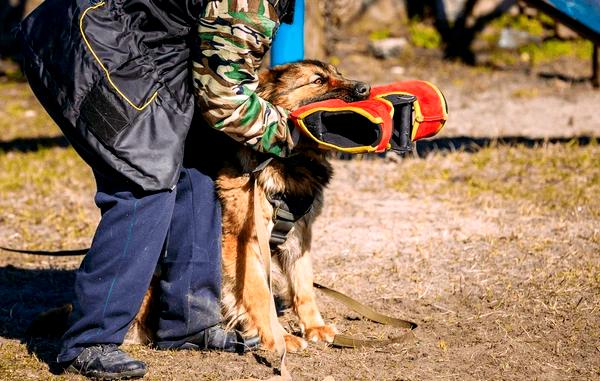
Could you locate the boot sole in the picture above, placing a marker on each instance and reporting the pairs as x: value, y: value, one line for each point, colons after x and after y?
x: 104, y: 376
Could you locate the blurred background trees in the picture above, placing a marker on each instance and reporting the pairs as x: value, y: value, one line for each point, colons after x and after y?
x: 497, y: 33
x: 458, y: 34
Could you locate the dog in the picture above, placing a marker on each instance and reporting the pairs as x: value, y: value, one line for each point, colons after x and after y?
x: 299, y: 181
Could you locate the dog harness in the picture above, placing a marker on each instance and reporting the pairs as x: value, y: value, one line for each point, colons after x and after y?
x: 286, y: 212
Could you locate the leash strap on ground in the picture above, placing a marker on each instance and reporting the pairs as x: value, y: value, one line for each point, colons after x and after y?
x: 58, y: 253
x: 371, y: 314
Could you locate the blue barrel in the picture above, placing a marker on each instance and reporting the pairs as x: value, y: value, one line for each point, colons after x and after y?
x: 288, y: 44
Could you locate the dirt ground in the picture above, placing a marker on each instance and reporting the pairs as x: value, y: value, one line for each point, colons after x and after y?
x: 493, y: 251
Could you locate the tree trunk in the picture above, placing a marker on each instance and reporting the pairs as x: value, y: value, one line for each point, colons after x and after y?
x: 315, y: 41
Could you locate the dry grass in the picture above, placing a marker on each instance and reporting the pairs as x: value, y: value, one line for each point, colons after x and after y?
x: 557, y: 178
x: 45, y: 192
x: 45, y: 198
x: 21, y: 116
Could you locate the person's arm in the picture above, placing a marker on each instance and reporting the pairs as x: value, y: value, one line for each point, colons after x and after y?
x: 234, y: 36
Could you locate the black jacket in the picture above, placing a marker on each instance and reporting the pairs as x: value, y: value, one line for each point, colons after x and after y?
x: 115, y: 76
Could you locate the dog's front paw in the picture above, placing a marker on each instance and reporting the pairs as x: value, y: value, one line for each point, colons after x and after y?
x: 268, y: 344
x: 322, y: 333
x: 294, y: 343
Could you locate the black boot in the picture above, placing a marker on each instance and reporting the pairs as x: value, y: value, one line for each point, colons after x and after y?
x: 216, y: 338
x: 106, y: 362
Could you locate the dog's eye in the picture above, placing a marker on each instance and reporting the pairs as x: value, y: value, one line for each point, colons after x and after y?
x: 319, y: 81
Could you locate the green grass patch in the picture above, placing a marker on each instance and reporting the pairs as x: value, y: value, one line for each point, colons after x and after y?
x: 533, y: 26
x: 541, y: 26
x: 551, y: 50
x: 553, y: 178
x: 380, y: 34
x: 501, y: 57
x: 545, y: 52
x: 526, y: 92
x: 424, y: 36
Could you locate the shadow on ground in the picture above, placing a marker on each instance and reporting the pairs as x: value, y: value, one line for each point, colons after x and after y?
x: 33, y: 144
x: 474, y: 144
x: 24, y: 294
x: 424, y: 147
x: 565, y: 78
x: 471, y: 144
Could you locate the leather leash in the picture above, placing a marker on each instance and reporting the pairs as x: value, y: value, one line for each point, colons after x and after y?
x: 345, y: 341
x: 58, y: 253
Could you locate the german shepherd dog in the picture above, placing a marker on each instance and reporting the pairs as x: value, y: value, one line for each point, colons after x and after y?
x: 302, y: 177
x: 300, y: 180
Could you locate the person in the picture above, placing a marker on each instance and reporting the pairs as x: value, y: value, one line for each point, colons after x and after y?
x: 119, y: 88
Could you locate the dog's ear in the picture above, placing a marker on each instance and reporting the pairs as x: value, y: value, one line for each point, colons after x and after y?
x: 267, y: 83
x: 273, y: 75
x: 266, y: 76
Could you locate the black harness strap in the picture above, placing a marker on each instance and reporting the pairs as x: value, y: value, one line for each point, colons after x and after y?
x: 286, y: 212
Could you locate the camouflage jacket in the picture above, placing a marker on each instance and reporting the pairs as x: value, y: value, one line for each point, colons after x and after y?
x: 234, y: 36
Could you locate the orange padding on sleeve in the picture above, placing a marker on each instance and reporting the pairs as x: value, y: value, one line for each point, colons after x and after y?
x: 374, y: 111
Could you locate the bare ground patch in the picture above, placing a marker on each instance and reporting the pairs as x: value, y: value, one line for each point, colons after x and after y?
x: 503, y: 286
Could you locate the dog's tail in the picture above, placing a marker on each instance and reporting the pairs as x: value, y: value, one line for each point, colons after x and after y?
x: 52, y: 323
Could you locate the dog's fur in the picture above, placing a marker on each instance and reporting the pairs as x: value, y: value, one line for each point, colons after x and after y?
x: 246, y: 295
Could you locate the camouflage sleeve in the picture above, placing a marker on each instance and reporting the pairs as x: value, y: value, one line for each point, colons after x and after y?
x: 234, y: 36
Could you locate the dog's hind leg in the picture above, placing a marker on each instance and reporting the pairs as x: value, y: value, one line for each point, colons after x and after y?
x: 145, y: 324
x: 300, y: 278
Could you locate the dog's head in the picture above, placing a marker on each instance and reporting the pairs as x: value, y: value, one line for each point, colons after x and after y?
x: 293, y: 85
